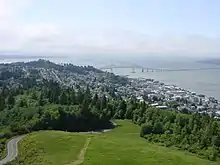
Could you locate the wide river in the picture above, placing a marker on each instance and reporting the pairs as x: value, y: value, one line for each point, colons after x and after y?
x: 200, y: 81
x: 204, y: 81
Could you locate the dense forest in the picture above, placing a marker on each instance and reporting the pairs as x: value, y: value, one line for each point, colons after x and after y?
x: 197, y: 133
x: 52, y: 107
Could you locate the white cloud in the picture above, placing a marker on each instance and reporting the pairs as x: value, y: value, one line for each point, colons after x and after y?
x: 47, y: 37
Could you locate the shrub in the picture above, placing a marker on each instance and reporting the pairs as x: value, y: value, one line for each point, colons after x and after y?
x: 146, y: 129
x: 211, y: 154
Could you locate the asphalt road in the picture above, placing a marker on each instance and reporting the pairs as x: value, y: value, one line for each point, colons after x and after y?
x: 12, y: 150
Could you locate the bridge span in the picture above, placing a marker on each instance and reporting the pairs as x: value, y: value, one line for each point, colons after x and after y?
x: 146, y: 69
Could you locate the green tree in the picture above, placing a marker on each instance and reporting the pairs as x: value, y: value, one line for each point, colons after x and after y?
x: 216, y: 141
x: 122, y: 109
x: 103, y: 102
x: 34, y: 95
x: 23, y: 103
x: 158, y: 128
x: 63, y: 99
x: 11, y: 100
x: 80, y: 96
x: 41, y: 100
x: 88, y: 94
x: 146, y: 128
x: 129, y: 112
x: 2, y: 103
x: 85, y: 109
x: 73, y: 97
x: 95, y: 99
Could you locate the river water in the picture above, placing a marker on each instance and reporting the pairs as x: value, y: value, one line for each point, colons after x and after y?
x: 200, y: 81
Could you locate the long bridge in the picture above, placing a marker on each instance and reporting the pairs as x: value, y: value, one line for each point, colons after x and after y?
x: 146, y: 69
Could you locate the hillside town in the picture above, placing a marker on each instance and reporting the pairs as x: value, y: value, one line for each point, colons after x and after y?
x: 154, y: 93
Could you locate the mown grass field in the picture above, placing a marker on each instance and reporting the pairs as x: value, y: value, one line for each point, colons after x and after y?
x: 121, y: 146
x: 49, y: 148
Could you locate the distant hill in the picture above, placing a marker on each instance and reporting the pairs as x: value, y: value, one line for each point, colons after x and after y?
x: 35, y: 73
x: 215, y: 61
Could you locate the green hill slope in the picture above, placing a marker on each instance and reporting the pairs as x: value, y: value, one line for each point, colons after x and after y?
x: 121, y: 146
x: 49, y: 147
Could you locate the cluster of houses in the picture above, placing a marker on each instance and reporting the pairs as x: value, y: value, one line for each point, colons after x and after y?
x: 164, y: 96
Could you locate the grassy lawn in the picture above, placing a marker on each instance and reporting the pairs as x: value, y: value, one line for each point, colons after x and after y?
x: 122, y: 146
x: 50, y: 148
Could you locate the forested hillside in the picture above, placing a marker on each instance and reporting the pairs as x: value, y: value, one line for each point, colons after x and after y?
x: 197, y: 133
x: 54, y: 108
x: 50, y: 105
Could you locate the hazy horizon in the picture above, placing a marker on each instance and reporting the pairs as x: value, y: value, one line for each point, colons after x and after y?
x: 103, y: 60
x: 107, y: 55
x: 182, y: 28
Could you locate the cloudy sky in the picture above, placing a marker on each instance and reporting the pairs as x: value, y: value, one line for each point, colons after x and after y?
x: 69, y: 26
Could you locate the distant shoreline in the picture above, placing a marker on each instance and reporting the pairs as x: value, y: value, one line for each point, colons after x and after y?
x: 210, y: 61
x: 174, y: 85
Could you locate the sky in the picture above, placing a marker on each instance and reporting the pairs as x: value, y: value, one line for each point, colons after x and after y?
x: 189, y: 27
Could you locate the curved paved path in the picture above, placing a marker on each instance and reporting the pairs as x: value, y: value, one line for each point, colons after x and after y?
x: 12, y: 150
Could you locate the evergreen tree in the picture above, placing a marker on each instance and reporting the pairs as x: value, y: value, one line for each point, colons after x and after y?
x: 2, y: 103
x: 23, y: 103
x: 122, y: 109
x: 146, y: 128
x: 158, y: 128
x: 80, y: 96
x: 103, y: 102
x: 216, y: 141
x: 41, y: 101
x: 63, y: 99
x: 95, y: 99
x: 88, y: 94
x: 72, y: 97
x: 34, y: 95
x: 11, y: 100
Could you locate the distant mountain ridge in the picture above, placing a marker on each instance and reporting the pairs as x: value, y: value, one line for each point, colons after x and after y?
x: 215, y: 61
